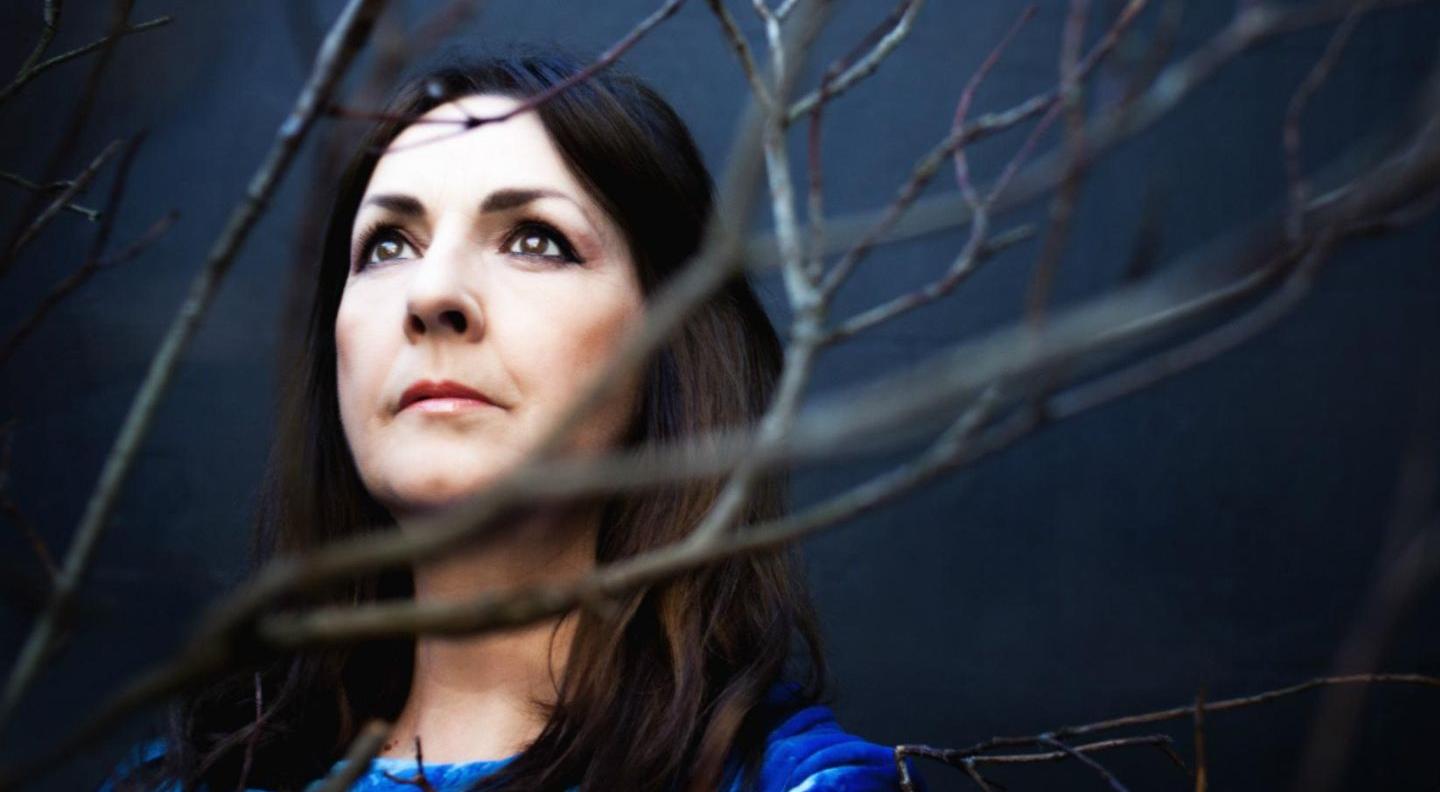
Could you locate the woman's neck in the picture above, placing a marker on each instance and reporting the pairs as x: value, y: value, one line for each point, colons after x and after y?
x: 471, y: 698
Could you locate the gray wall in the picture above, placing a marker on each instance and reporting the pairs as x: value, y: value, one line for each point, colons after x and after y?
x: 1219, y: 532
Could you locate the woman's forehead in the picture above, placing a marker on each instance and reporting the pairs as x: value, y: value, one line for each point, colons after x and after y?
x: 433, y: 154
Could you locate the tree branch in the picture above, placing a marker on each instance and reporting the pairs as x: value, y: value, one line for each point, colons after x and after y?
x: 344, y: 41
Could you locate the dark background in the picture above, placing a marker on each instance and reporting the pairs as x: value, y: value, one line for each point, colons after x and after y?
x: 1219, y: 532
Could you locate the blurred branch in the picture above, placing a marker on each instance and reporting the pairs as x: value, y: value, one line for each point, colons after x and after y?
x: 357, y: 759
x: 1294, y: 168
x: 11, y: 510
x: 78, y: 278
x: 344, y: 41
x: 1409, y: 568
x: 1004, y: 360
x: 1202, y: 772
x: 971, y: 388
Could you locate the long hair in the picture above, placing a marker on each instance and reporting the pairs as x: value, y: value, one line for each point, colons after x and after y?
x: 669, y: 694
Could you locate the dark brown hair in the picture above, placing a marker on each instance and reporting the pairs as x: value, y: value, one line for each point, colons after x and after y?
x: 669, y: 695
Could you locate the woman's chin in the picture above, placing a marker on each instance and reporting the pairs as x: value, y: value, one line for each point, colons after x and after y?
x: 437, y: 492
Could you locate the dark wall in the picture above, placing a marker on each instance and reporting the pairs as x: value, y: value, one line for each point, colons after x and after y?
x: 1220, y: 532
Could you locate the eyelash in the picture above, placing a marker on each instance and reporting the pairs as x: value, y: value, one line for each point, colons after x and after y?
x: 528, y: 227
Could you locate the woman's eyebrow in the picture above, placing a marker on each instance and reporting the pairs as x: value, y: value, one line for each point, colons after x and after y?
x: 406, y: 205
x: 501, y: 200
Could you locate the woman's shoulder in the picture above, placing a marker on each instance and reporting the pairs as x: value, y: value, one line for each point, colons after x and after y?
x: 809, y: 751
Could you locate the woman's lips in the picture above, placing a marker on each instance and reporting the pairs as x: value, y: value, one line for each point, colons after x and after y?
x: 446, y: 405
x: 443, y: 397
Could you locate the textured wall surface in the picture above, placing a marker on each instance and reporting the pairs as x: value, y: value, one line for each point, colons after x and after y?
x: 1220, y: 532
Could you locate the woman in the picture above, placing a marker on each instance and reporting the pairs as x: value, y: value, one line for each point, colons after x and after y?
x: 473, y: 281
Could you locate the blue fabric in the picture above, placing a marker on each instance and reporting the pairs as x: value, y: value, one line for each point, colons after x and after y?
x: 807, y: 752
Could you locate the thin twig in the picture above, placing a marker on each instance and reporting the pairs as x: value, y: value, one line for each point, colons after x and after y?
x: 12, y: 510
x: 31, y: 72
x: 342, y: 44
x: 496, y: 609
x: 742, y: 51
x: 1109, y: 129
x: 815, y: 204
x: 865, y: 66
x: 1062, y: 206
x: 50, y: 25
x: 43, y: 189
x: 468, y: 123
x: 809, y: 311
x: 978, y: 248
x: 77, y: 186
x: 78, y: 122
x: 1202, y: 781
x: 94, y: 262
x: 974, y: 131
x: 1046, y: 739
x: 969, y: 763
x: 1223, y: 705
x: 357, y: 759
x: 418, y: 780
x: 254, y: 737
x: 1392, y: 186
x: 1319, y: 73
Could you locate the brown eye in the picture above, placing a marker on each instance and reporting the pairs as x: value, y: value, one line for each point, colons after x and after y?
x: 537, y: 240
x: 536, y: 244
x: 388, y: 245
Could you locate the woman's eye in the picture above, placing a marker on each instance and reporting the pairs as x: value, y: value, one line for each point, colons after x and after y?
x: 537, y: 242
x: 386, y: 246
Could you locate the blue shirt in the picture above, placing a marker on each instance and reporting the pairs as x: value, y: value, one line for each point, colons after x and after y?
x: 807, y: 752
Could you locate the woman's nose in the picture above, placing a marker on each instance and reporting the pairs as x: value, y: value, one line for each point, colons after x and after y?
x: 441, y: 299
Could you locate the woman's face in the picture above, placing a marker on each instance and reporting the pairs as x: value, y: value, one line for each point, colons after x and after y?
x: 486, y: 289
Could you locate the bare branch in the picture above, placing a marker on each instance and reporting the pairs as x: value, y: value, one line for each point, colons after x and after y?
x: 50, y: 189
x: 779, y: 417
x: 983, y: 127
x: 77, y: 186
x: 968, y: 763
x: 357, y: 759
x: 1046, y: 739
x: 1319, y: 73
x: 1223, y: 705
x: 95, y: 261
x: 1175, y: 83
x: 342, y: 44
x: 49, y: 27
x: 962, y: 376
x: 418, y: 780
x: 1062, y: 207
x: 1202, y: 780
x: 31, y: 71
x: 9, y: 507
x: 904, y: 19
x: 964, y: 265
x: 977, y: 247
x: 606, y: 58
x: 742, y: 51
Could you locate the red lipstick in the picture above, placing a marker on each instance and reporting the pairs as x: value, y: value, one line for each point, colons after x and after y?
x: 445, y: 396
